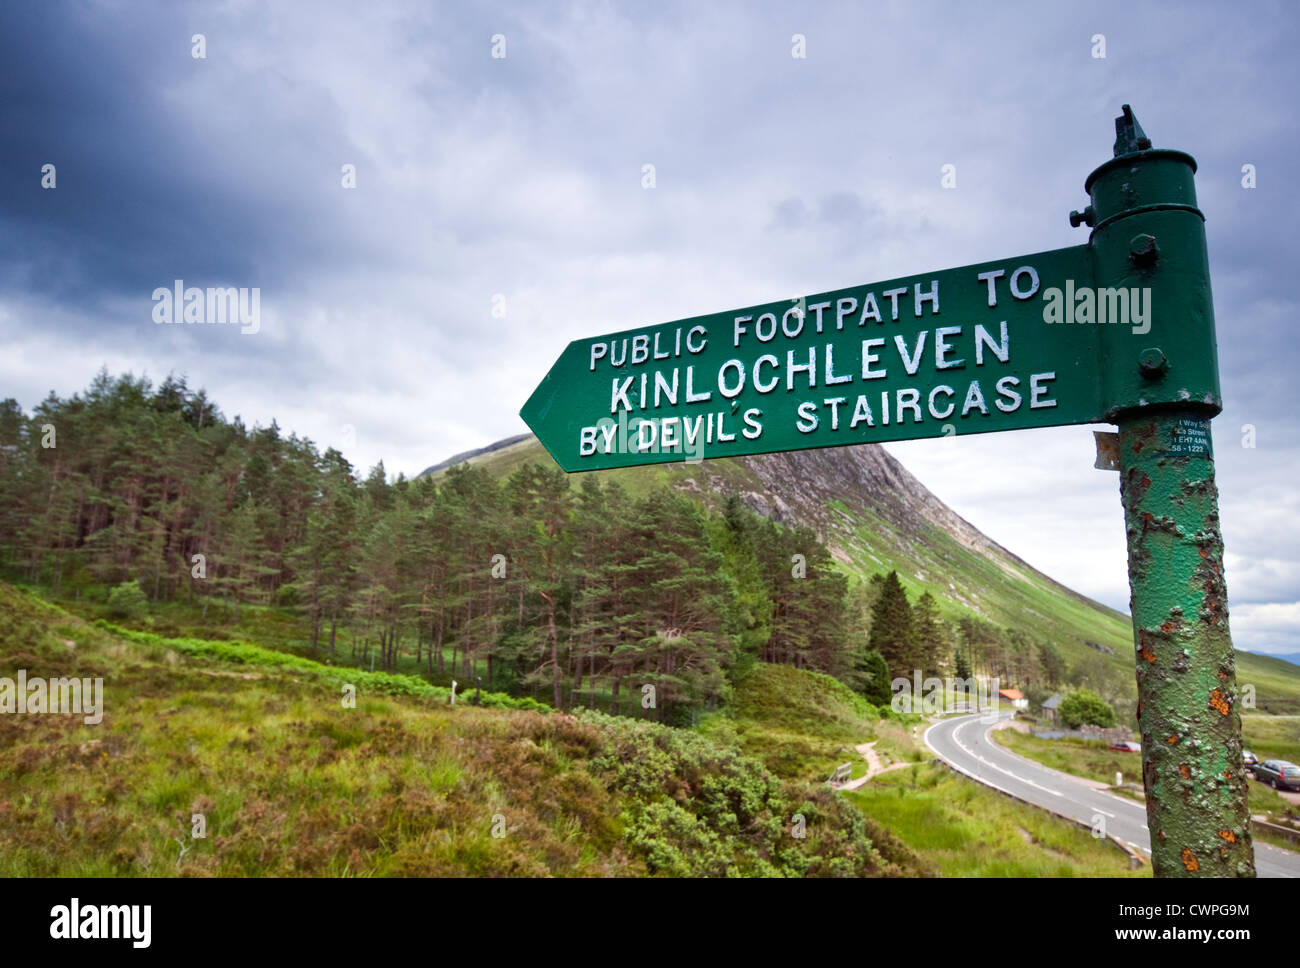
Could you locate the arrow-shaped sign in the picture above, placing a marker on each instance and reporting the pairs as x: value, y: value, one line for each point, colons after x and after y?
x: 997, y: 346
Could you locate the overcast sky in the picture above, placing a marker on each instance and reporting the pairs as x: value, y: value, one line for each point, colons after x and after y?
x: 516, y: 182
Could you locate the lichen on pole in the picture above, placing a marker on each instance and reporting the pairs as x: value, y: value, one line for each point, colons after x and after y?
x: 1188, y: 711
x: 1161, y: 384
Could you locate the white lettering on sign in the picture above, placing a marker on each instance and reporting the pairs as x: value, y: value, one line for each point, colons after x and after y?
x: 905, y: 403
x: 1037, y: 391
x: 990, y: 278
x: 817, y: 384
x: 615, y: 351
x: 685, y: 436
x: 952, y: 348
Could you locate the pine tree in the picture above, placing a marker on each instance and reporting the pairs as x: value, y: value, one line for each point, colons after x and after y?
x: 933, y: 642
x: 677, y: 602
x: 732, y: 534
x: 961, y: 664
x: 1052, y: 664
x: 603, y: 594
x: 874, y: 679
x: 892, y: 634
x: 541, y: 502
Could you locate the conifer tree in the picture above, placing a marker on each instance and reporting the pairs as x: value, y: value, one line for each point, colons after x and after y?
x: 933, y: 643
x: 874, y: 681
x: 541, y: 502
x: 892, y: 633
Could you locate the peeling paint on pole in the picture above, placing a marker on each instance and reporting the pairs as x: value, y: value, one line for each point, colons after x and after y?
x: 1187, y: 686
x: 1163, y: 393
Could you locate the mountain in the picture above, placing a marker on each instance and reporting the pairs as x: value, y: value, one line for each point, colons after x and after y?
x: 469, y: 455
x: 1291, y: 657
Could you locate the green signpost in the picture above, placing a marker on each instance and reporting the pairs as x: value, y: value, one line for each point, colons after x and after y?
x: 1119, y: 330
x: 954, y: 351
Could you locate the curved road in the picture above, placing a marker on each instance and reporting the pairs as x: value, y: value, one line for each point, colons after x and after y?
x: 963, y: 742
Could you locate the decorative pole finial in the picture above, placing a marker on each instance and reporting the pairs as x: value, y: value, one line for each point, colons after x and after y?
x: 1129, y: 136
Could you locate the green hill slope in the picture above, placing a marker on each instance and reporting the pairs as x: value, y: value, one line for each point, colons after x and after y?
x: 288, y: 781
x: 1275, y: 681
x: 799, y: 723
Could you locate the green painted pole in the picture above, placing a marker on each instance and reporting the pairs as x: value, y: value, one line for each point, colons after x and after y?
x: 1149, y: 235
x: 1187, y: 687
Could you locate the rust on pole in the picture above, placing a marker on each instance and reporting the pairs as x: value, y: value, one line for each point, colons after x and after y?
x: 1149, y: 238
x: 1192, y: 766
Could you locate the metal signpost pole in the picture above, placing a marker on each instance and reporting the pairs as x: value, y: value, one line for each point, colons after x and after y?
x: 1149, y: 236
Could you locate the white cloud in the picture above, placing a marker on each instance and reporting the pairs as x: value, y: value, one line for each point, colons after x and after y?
x: 1271, y: 627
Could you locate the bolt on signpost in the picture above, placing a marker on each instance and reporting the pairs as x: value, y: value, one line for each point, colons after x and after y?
x: 1120, y: 330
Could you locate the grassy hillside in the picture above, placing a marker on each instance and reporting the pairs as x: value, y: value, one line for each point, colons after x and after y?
x: 1276, y: 682
x: 289, y: 781
x: 800, y: 724
x: 1272, y: 737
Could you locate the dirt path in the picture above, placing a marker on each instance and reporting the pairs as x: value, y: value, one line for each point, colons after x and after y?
x: 874, y: 766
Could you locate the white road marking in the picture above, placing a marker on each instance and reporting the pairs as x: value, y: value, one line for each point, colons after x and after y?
x: 1276, y: 864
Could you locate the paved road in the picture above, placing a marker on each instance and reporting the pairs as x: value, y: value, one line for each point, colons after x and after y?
x: 964, y: 743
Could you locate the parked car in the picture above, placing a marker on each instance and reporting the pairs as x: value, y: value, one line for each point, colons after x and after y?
x: 1249, y: 760
x: 1280, y: 774
x: 1126, y: 747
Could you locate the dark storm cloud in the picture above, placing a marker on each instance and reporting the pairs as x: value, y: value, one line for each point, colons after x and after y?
x: 147, y: 191
x: 218, y: 171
